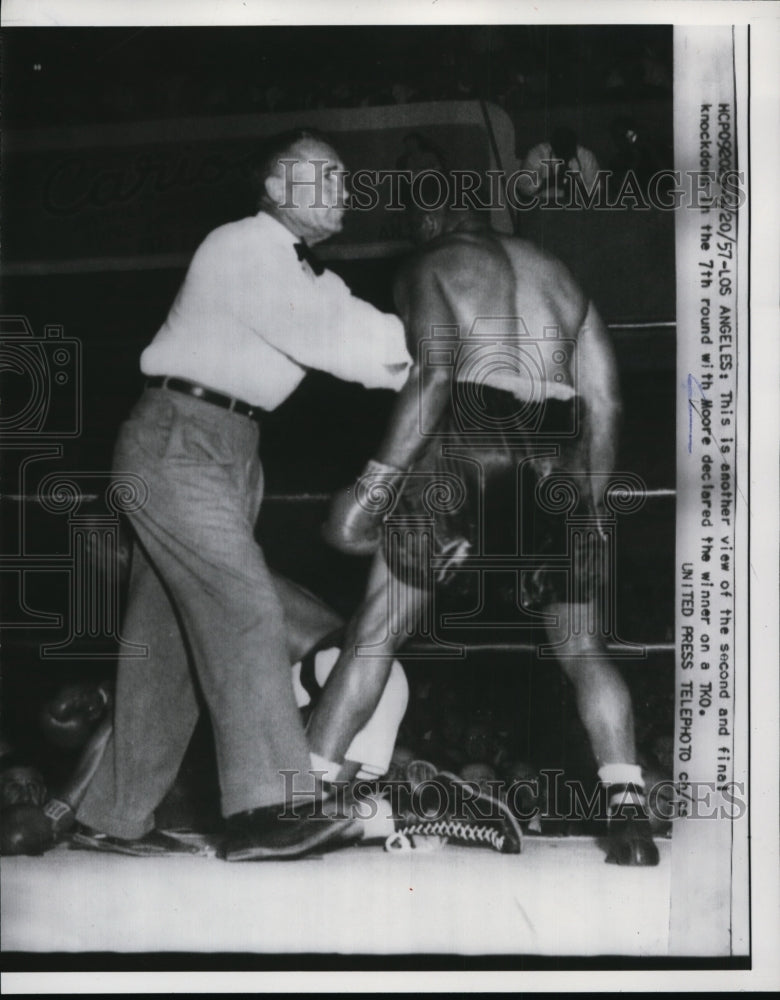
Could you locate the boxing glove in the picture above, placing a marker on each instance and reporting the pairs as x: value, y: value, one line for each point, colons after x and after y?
x: 25, y: 829
x: 355, y: 520
x: 70, y: 717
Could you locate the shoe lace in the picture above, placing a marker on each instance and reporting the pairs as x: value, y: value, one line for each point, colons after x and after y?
x: 476, y: 833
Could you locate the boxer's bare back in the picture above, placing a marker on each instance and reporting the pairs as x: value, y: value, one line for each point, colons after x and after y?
x: 495, y: 288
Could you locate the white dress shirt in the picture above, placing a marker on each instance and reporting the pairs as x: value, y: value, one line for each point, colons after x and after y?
x: 250, y: 319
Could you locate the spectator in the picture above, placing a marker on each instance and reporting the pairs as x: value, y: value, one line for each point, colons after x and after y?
x: 552, y: 163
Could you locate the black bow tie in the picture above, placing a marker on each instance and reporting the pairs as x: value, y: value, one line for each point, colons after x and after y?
x: 306, y: 253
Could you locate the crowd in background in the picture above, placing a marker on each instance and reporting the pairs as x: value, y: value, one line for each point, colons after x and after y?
x: 518, y: 68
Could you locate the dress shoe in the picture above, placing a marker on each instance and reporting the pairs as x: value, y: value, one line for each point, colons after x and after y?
x: 261, y: 835
x: 154, y: 844
x: 629, y: 833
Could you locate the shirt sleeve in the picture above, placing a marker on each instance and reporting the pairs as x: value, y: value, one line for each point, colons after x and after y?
x: 317, y: 323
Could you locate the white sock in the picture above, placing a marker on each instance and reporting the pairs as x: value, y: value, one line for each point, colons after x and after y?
x: 370, y: 772
x: 618, y: 775
x: 621, y: 774
x: 376, y: 816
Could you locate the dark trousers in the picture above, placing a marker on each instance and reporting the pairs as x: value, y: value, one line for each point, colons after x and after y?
x: 202, y: 600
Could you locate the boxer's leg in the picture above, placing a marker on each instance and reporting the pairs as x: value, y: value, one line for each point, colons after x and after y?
x: 603, y: 698
x: 390, y: 610
x: 369, y: 754
x: 314, y: 638
x: 604, y: 706
x: 351, y: 703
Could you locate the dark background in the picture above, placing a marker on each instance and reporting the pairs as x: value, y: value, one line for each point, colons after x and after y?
x: 315, y: 442
x: 91, y: 75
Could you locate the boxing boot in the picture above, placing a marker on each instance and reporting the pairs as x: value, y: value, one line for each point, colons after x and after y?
x: 436, y: 805
x: 629, y: 834
x: 25, y: 829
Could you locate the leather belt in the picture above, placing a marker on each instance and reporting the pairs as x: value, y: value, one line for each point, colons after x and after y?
x: 207, y: 395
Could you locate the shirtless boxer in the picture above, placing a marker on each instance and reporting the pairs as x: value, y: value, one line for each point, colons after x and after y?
x: 461, y: 274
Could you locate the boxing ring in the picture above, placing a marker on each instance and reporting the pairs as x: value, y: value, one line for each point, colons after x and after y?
x: 454, y: 900
x: 557, y: 898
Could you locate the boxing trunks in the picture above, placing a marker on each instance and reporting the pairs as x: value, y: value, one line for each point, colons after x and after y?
x: 479, y: 489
